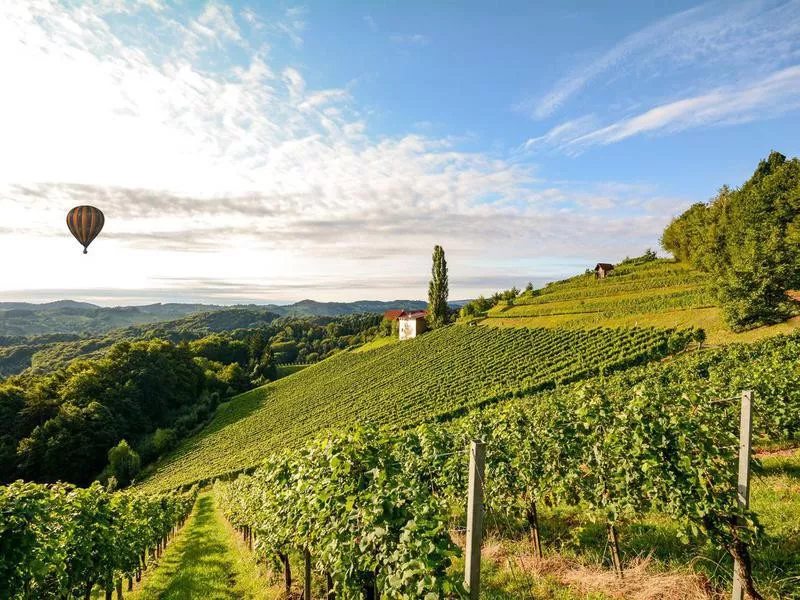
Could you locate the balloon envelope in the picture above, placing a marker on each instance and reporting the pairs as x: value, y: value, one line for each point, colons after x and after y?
x: 85, y: 222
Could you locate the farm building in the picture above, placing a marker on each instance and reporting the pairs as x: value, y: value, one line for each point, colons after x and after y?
x: 393, y: 314
x: 412, y: 324
x: 602, y: 270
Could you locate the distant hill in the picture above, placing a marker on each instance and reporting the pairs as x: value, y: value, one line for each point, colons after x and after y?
x: 21, y: 319
x: 69, y: 317
x: 47, y: 352
x: 47, y: 306
x: 335, y: 309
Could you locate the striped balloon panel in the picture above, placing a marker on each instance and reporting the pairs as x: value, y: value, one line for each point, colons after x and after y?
x: 85, y: 222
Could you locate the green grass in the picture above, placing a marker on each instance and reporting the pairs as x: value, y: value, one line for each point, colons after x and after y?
x: 378, y: 342
x: 284, y: 370
x: 509, y: 582
x: 442, y: 373
x: 204, y: 562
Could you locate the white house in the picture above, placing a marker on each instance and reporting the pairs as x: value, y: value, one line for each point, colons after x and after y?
x: 412, y: 324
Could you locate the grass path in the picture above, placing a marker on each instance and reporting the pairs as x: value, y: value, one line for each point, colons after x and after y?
x: 204, y: 561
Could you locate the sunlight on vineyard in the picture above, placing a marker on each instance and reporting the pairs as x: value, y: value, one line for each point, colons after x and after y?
x: 440, y: 374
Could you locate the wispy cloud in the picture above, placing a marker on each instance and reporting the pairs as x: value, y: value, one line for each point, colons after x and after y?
x: 769, y: 97
x: 373, y: 25
x: 563, y: 133
x: 217, y: 22
x: 413, y: 39
x: 719, y: 39
x: 242, y: 166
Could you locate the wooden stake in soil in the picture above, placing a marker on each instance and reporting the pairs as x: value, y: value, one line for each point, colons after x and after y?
x: 613, y: 544
x: 533, y: 523
x: 331, y: 592
x: 472, y: 556
x: 287, y: 574
x: 307, y: 575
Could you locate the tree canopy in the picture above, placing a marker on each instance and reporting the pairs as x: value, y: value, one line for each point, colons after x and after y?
x: 438, y: 290
x: 747, y: 239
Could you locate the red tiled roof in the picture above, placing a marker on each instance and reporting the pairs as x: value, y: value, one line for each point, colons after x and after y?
x: 394, y: 313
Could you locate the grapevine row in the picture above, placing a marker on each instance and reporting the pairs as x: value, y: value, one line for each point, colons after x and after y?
x: 438, y: 375
x: 349, y: 505
x: 656, y: 439
x: 61, y: 541
x: 651, y: 301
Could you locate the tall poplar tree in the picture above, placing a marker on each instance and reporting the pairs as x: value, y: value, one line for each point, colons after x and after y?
x: 438, y: 290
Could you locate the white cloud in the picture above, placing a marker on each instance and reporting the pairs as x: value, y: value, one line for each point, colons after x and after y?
x: 561, y: 134
x: 292, y: 25
x: 243, y: 171
x: 321, y: 98
x: 720, y: 39
x: 772, y: 96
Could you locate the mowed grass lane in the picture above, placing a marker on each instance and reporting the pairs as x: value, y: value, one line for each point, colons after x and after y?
x: 203, y: 562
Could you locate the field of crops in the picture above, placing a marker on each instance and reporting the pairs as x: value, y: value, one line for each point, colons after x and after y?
x: 662, y: 438
x: 442, y: 373
x: 656, y: 286
x: 59, y: 541
x: 659, y: 293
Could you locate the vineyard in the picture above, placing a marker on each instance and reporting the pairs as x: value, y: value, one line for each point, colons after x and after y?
x: 59, y: 541
x: 658, y: 439
x: 370, y: 512
x: 441, y: 374
x: 659, y: 293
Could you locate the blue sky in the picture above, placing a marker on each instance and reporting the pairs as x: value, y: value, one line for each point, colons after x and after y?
x: 253, y: 151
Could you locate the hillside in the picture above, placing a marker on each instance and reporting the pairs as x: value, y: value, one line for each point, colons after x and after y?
x: 49, y: 352
x: 21, y: 319
x: 66, y: 316
x: 441, y: 373
x: 658, y: 293
x: 46, y: 353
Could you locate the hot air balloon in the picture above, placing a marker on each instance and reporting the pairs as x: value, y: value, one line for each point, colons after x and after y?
x: 85, y: 222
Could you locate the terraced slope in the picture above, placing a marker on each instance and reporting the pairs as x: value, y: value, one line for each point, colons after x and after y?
x: 657, y: 286
x: 441, y: 373
x: 659, y: 293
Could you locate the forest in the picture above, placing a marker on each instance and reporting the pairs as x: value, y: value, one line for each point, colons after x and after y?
x: 141, y: 395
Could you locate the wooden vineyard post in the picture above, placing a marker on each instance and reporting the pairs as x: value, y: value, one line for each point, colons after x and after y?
x: 472, y: 555
x: 613, y: 543
x: 307, y: 575
x: 743, y: 485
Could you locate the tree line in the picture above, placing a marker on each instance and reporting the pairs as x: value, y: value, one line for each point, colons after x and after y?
x: 747, y: 239
x: 113, y: 414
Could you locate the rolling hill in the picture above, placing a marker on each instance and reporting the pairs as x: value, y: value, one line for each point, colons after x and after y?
x: 84, y: 330
x: 655, y: 293
x: 22, y: 319
x: 571, y: 329
x: 443, y: 373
